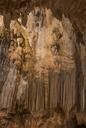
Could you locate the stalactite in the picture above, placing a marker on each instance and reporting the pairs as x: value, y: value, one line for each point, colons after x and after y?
x: 44, y: 81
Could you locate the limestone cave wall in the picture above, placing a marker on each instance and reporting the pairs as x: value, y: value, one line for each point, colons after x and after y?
x: 42, y: 69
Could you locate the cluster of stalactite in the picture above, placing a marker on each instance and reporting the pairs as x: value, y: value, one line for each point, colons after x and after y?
x: 42, y: 72
x: 4, y: 62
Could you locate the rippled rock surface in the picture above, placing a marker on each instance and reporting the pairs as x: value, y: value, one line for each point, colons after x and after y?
x: 42, y: 71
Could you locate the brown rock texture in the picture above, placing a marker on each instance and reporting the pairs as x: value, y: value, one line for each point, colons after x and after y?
x: 42, y: 64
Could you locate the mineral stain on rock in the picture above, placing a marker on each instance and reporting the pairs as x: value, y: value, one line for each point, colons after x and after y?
x: 42, y: 67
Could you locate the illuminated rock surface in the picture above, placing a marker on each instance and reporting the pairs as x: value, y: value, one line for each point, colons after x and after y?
x: 42, y: 66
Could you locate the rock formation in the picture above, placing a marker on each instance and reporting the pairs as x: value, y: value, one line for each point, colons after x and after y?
x: 42, y: 64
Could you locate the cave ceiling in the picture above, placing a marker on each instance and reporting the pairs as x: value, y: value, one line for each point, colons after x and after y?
x: 74, y: 9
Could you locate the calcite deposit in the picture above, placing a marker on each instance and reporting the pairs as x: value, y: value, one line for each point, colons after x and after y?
x: 42, y: 65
